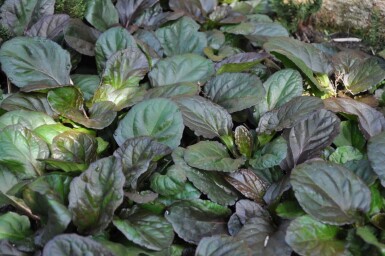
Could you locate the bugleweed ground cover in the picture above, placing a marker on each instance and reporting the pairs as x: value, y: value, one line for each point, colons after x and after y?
x: 184, y: 127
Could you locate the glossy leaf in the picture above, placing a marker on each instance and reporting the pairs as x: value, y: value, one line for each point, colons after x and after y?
x: 110, y: 42
x: 147, y: 230
x: 321, y: 185
x: 249, y: 184
x: 309, y: 236
x: 235, y: 91
x: 344, y: 154
x: 181, y: 68
x: 193, y: 220
x: 159, y: 118
x: 27, y: 101
x: 14, y: 227
x: 211, y: 156
x: 173, y: 91
x: 28, y: 62
x: 101, y: 14
x: 308, y: 137
x: 204, y: 117
x: 129, y: 10
x: 19, y: 150
x: 68, y: 102
x: 87, y: 84
x: 182, y: 37
x: 289, y: 114
x: 27, y: 119
x: 96, y: 194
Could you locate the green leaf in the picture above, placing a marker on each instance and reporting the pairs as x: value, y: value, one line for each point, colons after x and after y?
x: 182, y: 37
x: 81, y: 37
x: 101, y: 14
x: 350, y: 135
x: 87, y: 84
x: 344, y: 154
x: 181, y: 68
x: 122, y: 66
x: 28, y: 62
x: 36, y: 102
x: 173, y: 91
x: 110, y: 42
x: 235, y: 91
x: 138, y: 155
x: 204, y: 117
x: 222, y: 245
x: 376, y: 153
x: 211, y: 156
x: 240, y: 62
x: 19, y: 150
x: 195, y: 219
x: 96, y: 194
x: 281, y: 87
x: 74, y: 245
x: 367, y: 234
x: 14, y: 227
x: 147, y: 230
x: 244, y: 141
x: 321, y: 185
x: 289, y: 114
x: 169, y: 184
x: 19, y: 15
x: 257, y: 32
x: 159, y: 118
x: 309, y: 137
x: 308, y: 236
x: 49, y: 131
x: 47, y: 197
x: 362, y: 169
x: 289, y: 210
x: 68, y: 102
x: 249, y: 184
x: 121, y: 76
x: 270, y: 155
x: 27, y: 119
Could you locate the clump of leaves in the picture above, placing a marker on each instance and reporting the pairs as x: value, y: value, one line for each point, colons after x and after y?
x: 170, y: 139
x: 74, y: 8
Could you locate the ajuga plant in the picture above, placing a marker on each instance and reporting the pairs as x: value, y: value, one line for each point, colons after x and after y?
x: 187, y: 128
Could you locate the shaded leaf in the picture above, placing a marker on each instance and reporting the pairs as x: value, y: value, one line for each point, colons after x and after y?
x: 81, y: 37
x: 14, y: 227
x: 49, y: 26
x: 308, y: 137
x: 321, y: 185
x: 371, y: 121
x: 87, y: 84
x: 376, y: 153
x: 350, y: 135
x: 128, y: 10
x: 96, y: 194
x: 137, y: 155
x: 75, y: 245
x: 193, y: 220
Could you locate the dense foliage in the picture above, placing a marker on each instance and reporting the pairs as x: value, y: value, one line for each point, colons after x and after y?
x: 184, y: 127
